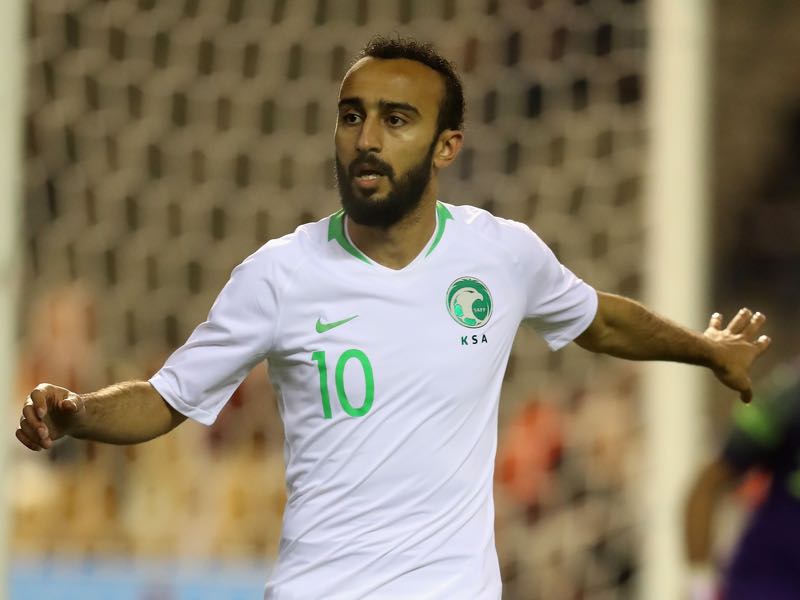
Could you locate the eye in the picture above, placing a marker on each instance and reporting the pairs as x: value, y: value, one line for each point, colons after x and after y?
x: 351, y: 118
x: 395, y: 121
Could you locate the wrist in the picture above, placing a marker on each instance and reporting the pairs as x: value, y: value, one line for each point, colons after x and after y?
x: 75, y: 421
x: 710, y: 354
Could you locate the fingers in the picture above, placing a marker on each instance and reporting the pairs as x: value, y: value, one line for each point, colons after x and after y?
x: 43, y: 395
x: 30, y: 432
x: 762, y: 343
x: 34, y: 424
x: 748, y: 324
x: 716, y: 321
x: 740, y: 346
x: 740, y: 321
x: 33, y: 433
x: 30, y: 414
x: 746, y: 395
x: 23, y: 437
x: 69, y: 404
x: 33, y: 430
x: 754, y: 326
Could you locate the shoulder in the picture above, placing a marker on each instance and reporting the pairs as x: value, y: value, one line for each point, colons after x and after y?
x: 516, y: 240
x: 264, y: 276
x: 477, y: 221
x: 278, y: 263
x: 290, y: 251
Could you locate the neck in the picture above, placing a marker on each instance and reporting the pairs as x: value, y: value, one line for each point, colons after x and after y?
x: 396, y: 246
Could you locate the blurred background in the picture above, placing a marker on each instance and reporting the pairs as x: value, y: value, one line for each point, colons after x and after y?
x: 166, y: 141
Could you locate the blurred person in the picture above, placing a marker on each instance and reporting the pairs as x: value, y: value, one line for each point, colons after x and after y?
x: 61, y: 339
x: 765, y: 563
x: 387, y: 328
x: 532, y: 446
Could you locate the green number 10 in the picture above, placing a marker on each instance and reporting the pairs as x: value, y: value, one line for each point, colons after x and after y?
x: 369, y: 382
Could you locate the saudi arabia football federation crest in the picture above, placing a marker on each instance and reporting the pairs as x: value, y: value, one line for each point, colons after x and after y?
x: 469, y: 302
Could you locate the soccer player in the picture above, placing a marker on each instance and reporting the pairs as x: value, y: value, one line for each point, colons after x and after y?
x: 387, y: 328
x: 766, y: 560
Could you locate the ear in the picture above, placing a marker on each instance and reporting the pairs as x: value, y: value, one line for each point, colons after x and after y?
x: 447, y: 147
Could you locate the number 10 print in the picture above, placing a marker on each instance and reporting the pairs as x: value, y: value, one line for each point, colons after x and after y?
x: 369, y: 382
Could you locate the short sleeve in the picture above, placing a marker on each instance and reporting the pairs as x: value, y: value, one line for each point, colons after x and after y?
x: 199, y: 378
x: 558, y: 304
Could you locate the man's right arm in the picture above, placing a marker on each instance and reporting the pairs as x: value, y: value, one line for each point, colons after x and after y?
x: 124, y: 413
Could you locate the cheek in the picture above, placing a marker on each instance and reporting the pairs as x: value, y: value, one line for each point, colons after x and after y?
x: 405, y: 162
x: 342, y: 136
x: 343, y: 149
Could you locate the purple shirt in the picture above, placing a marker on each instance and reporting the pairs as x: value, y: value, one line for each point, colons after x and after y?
x: 766, y: 562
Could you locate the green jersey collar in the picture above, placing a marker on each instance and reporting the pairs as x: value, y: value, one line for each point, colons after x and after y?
x: 442, y: 215
x: 336, y: 232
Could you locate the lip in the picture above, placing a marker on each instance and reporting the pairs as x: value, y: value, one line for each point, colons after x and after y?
x: 369, y: 182
x: 368, y: 166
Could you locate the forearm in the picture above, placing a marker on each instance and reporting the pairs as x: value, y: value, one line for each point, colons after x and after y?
x: 124, y: 413
x: 626, y: 329
x: 700, y: 508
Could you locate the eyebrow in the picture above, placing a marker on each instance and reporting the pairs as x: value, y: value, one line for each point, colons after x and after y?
x: 384, y: 105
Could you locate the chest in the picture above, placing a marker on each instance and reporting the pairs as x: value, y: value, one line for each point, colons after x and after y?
x: 426, y: 318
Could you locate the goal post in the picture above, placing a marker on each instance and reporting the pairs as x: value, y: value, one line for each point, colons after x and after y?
x: 12, y: 48
x: 676, y: 275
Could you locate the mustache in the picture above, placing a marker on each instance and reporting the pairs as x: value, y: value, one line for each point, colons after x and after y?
x: 365, y: 159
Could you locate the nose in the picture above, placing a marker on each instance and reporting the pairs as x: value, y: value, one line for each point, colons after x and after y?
x: 370, y: 137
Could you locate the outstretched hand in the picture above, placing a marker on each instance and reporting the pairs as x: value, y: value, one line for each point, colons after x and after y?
x: 47, y: 415
x: 736, y: 347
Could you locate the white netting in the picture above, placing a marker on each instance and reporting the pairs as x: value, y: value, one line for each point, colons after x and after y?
x: 168, y: 140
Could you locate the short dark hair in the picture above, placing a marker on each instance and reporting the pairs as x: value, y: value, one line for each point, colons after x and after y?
x: 451, y: 108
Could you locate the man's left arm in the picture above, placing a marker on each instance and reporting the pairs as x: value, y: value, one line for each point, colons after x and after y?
x: 624, y: 328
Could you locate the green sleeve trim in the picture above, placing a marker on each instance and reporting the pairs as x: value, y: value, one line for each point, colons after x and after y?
x: 757, y: 424
x: 443, y: 215
x: 336, y: 232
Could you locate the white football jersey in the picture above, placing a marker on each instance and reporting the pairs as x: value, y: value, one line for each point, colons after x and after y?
x: 388, y: 384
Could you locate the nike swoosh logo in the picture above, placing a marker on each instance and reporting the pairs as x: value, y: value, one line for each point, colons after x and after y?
x: 323, y: 327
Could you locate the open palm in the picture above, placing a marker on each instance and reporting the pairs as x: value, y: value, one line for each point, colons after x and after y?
x: 736, y: 347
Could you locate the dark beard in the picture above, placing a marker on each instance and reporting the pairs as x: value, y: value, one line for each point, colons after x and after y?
x: 403, y: 197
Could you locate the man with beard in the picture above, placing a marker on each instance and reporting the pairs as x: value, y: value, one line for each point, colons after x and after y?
x: 387, y: 328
